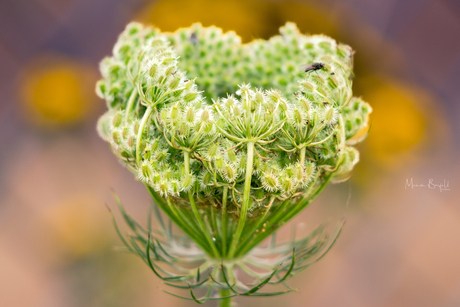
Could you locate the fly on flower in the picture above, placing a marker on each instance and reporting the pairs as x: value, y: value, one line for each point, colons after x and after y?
x: 193, y: 38
x: 312, y: 67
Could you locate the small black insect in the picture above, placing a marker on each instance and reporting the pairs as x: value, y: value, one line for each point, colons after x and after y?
x: 313, y: 67
x: 193, y: 38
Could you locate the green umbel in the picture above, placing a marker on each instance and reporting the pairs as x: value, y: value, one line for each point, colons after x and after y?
x: 232, y: 141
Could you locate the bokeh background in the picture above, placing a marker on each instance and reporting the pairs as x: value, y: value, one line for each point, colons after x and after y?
x: 400, y: 246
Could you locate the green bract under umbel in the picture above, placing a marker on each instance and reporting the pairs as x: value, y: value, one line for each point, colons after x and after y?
x: 231, y: 139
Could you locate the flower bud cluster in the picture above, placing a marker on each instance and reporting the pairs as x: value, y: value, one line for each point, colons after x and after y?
x: 201, y: 49
x: 276, y: 63
x: 118, y: 71
x: 254, y: 113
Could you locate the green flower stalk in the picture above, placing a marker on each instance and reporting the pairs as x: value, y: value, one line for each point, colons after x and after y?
x: 232, y: 141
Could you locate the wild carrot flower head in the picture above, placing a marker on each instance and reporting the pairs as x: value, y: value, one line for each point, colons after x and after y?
x: 231, y: 139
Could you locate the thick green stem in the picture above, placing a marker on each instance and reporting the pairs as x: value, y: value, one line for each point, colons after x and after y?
x: 212, y: 220
x: 251, y: 232
x: 226, y: 302
x: 139, y: 134
x: 204, y: 229
x: 302, y: 156
x: 224, y: 221
x: 187, y: 162
x: 246, y: 196
x: 130, y: 103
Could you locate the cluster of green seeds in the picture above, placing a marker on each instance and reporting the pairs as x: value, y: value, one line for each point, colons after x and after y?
x: 196, y: 112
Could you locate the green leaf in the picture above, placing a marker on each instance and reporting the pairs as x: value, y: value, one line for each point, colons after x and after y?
x: 176, y: 295
x: 119, y: 233
x: 226, y: 280
x: 163, y: 250
x: 194, y: 297
x: 149, y: 261
x: 215, y: 281
x: 270, y: 293
x: 131, y: 223
x: 289, y: 270
x: 198, y: 285
x: 256, y: 288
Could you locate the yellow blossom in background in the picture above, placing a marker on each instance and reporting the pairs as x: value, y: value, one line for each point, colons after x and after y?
x: 78, y: 226
x: 250, y: 19
x: 57, y: 91
x: 309, y: 17
x: 399, y: 120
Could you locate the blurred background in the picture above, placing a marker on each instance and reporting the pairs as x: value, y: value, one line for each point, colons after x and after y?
x: 400, y: 245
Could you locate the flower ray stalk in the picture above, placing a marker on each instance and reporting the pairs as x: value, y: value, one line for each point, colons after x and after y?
x: 245, y: 205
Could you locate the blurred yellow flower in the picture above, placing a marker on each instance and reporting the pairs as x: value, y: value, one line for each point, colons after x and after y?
x: 250, y: 19
x: 79, y: 226
x: 310, y: 18
x: 57, y: 91
x: 399, y: 119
